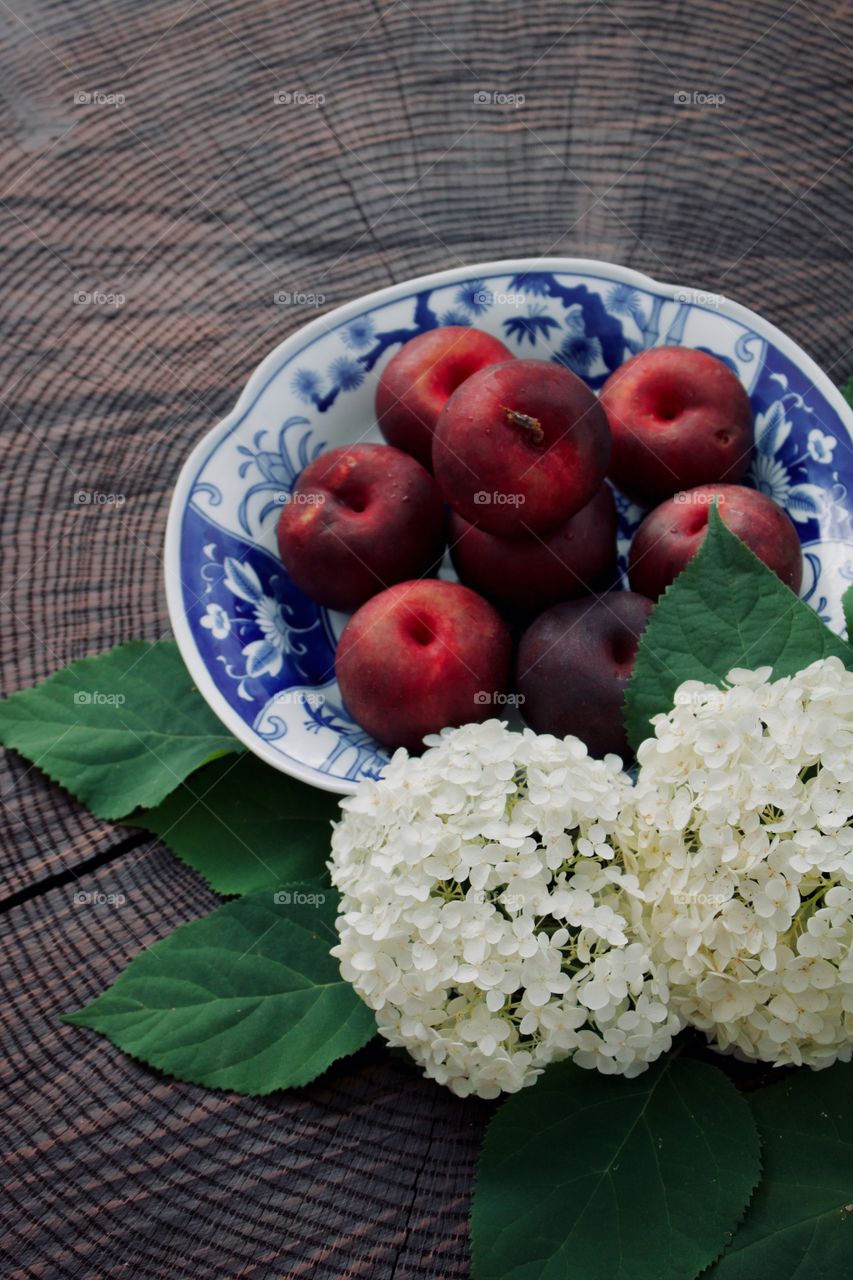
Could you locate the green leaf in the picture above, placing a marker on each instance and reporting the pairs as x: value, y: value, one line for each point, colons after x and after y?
x: 244, y: 826
x: 847, y: 606
x: 800, y: 1221
x: 119, y: 730
x: 247, y: 999
x: 726, y: 609
x: 587, y: 1177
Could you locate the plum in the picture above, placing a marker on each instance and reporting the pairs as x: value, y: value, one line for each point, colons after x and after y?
x: 417, y: 383
x: 521, y: 447
x: 419, y: 657
x: 360, y: 519
x: 679, y: 418
x: 671, y: 535
x: 573, y: 664
x: 537, y: 572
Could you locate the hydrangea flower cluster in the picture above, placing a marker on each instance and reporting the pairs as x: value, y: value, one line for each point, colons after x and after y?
x: 487, y: 915
x: 743, y: 836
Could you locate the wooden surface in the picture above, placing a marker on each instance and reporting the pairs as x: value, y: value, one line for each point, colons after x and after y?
x: 198, y: 199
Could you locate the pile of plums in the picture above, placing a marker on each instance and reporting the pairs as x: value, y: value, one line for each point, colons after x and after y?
x: 505, y: 459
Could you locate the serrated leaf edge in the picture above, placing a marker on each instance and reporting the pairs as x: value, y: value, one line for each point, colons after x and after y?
x: 299, y: 1081
x: 107, y: 814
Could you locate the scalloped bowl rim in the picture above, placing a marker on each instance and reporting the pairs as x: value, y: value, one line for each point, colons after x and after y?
x: 303, y: 337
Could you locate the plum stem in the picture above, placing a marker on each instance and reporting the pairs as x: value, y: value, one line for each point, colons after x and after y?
x: 523, y: 420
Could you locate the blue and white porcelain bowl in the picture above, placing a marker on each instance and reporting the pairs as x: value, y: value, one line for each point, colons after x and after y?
x: 262, y: 653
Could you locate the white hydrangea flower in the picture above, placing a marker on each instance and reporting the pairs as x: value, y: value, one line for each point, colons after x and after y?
x: 487, y: 917
x: 743, y: 833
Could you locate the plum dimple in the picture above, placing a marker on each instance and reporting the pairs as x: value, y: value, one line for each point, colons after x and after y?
x: 665, y: 404
x: 421, y: 632
x: 459, y: 368
x: 352, y: 497
x: 624, y: 648
x: 693, y: 521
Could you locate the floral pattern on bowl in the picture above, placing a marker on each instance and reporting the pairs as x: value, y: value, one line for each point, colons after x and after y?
x: 262, y: 653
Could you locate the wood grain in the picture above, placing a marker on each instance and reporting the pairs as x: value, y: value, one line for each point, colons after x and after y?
x: 197, y: 199
x: 112, y: 1169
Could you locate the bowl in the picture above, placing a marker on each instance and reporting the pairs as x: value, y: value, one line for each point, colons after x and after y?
x: 262, y: 654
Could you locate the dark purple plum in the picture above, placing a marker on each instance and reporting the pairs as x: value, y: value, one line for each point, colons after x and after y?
x: 573, y: 665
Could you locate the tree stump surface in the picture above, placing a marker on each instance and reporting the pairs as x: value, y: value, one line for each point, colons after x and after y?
x: 197, y: 197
